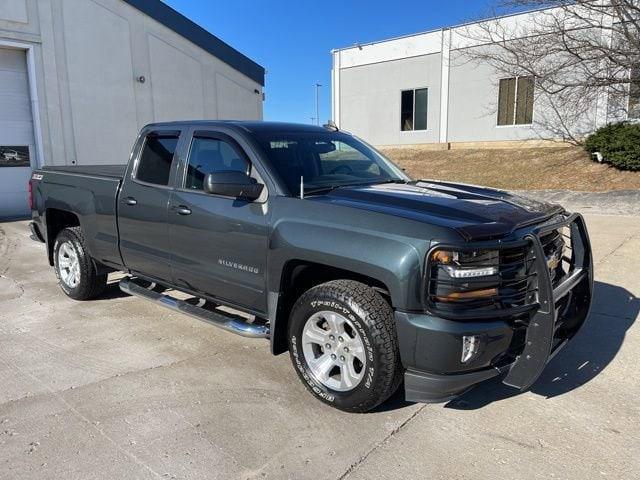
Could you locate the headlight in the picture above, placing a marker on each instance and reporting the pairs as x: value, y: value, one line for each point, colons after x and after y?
x: 448, y: 267
x: 465, y: 264
x: 473, y: 283
x: 458, y: 272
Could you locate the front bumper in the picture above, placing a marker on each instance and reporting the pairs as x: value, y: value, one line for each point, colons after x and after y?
x: 431, y: 346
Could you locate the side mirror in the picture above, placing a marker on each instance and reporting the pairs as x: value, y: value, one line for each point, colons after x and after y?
x: 233, y: 184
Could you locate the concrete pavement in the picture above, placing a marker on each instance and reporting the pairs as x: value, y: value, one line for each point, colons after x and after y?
x: 119, y: 388
x: 614, y: 202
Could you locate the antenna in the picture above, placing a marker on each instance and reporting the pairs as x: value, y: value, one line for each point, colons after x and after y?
x: 331, y: 125
x: 301, y: 188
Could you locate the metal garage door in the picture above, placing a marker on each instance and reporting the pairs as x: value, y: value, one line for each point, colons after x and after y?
x: 17, y: 150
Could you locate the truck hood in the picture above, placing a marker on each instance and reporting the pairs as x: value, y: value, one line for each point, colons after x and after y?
x: 477, y: 213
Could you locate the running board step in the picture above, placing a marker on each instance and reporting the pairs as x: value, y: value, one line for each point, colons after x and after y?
x: 216, y: 318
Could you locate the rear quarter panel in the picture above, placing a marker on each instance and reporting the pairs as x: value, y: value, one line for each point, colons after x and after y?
x: 91, y: 199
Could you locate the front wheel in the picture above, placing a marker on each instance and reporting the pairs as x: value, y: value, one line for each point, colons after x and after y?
x: 343, y: 344
x: 76, y: 272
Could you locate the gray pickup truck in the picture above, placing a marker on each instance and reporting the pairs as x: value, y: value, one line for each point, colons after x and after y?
x: 323, y: 246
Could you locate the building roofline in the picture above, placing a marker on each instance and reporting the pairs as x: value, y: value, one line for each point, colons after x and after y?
x: 170, y: 18
x: 441, y: 29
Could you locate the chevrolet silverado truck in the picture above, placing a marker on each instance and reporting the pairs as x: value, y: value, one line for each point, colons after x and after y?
x: 369, y: 279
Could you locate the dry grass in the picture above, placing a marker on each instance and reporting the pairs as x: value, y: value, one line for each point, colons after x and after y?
x: 566, y: 168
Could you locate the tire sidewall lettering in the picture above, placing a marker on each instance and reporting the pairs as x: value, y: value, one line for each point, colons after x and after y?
x: 354, y: 315
x: 303, y: 372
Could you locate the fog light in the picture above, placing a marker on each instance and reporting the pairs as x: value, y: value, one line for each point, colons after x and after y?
x: 470, y: 348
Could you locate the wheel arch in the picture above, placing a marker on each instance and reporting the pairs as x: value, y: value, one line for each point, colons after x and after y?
x: 57, y: 220
x: 297, y: 277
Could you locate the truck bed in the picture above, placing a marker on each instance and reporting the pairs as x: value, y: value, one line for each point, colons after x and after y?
x: 110, y: 171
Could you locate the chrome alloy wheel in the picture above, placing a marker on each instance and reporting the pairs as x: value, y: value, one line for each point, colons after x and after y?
x: 334, y: 351
x: 68, y: 265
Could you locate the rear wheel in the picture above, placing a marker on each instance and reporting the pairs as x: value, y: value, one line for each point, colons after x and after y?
x: 342, y: 342
x: 76, y: 272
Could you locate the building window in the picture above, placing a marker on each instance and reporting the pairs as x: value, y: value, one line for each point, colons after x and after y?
x: 413, y: 109
x: 515, y: 101
x: 634, y: 94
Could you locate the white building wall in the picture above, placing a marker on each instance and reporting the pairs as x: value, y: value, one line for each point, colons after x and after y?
x: 87, y: 58
x: 371, y: 107
x: 367, y: 80
x: 472, y: 112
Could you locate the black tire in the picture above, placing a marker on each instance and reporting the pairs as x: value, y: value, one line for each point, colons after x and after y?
x: 373, y: 320
x: 90, y: 283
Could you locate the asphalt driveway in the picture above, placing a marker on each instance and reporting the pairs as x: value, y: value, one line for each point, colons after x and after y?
x: 119, y: 388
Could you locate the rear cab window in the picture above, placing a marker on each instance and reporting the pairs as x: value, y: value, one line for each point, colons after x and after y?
x: 156, y: 158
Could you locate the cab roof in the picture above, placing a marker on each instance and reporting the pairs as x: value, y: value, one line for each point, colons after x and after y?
x: 251, y: 126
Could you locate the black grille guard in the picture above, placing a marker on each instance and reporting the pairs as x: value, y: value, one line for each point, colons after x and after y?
x: 539, y: 346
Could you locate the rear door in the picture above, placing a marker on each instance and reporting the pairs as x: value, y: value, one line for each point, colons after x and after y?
x: 219, y: 244
x: 144, y: 202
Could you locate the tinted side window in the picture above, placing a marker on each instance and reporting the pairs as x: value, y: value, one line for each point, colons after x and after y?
x: 506, y: 101
x: 209, y: 155
x: 413, y: 109
x: 524, y: 101
x: 406, y: 110
x: 156, y: 157
x: 515, y: 101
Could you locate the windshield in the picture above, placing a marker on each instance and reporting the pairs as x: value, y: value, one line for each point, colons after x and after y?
x: 326, y: 160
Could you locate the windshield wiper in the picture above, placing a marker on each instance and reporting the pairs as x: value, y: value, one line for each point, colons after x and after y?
x: 330, y: 188
x: 392, y: 180
x: 326, y: 189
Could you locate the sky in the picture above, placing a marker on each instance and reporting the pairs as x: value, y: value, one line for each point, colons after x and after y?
x: 293, y: 39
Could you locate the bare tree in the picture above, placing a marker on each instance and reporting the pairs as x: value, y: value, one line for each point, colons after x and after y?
x: 584, y: 56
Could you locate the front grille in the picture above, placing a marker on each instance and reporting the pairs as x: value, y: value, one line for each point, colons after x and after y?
x: 559, y: 256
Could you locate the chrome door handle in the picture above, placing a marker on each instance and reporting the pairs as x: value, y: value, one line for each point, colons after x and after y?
x: 182, y: 210
x: 130, y: 201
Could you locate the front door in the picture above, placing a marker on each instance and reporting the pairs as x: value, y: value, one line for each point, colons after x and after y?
x: 143, y: 206
x: 219, y: 244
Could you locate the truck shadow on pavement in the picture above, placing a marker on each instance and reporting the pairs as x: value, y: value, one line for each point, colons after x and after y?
x: 112, y: 291
x: 613, y: 312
